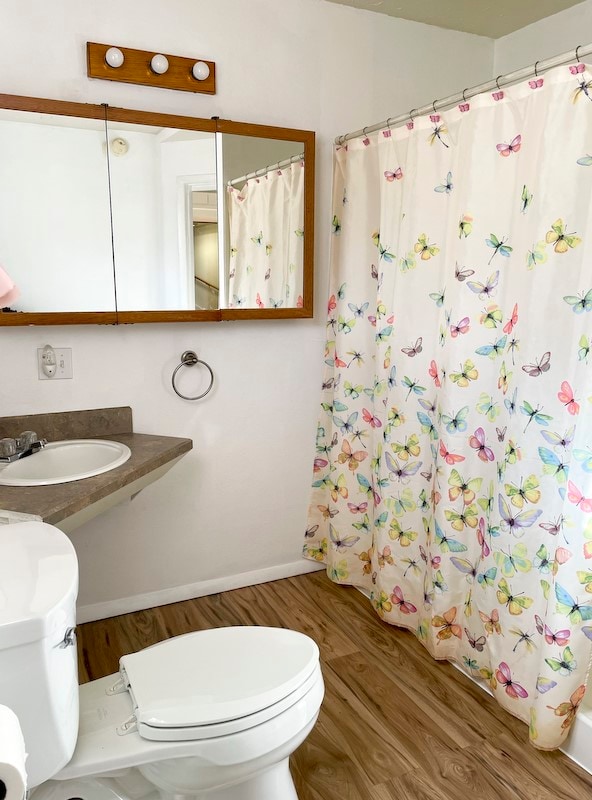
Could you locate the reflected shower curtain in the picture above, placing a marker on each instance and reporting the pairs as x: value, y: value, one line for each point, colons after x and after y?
x: 266, y: 240
x: 453, y: 474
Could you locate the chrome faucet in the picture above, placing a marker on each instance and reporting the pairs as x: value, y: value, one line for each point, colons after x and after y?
x: 24, y: 445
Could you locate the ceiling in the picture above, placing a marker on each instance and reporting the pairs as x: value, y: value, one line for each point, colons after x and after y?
x: 484, y: 17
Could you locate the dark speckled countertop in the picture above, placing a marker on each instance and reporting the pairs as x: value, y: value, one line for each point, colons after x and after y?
x: 59, y: 501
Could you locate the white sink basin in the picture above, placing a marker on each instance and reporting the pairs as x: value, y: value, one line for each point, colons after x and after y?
x: 60, y: 462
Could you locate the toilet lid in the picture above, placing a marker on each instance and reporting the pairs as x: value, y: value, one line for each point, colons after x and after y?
x: 215, y: 676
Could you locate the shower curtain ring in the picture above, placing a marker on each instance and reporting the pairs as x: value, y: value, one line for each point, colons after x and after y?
x: 577, y: 56
x: 536, y: 74
x: 434, y: 107
x: 411, y: 117
x: 464, y: 91
x: 499, y: 88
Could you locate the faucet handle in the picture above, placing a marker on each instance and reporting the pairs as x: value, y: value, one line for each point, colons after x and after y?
x: 7, y: 448
x: 26, y: 439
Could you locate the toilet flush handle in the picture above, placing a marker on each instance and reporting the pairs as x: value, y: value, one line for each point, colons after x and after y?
x: 69, y: 638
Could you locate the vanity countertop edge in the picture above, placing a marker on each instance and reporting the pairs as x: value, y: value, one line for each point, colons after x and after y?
x: 57, y: 502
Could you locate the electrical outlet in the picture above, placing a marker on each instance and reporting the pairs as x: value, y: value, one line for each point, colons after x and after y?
x: 63, y: 358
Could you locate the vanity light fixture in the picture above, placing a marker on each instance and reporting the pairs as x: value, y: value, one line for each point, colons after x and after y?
x: 114, y: 57
x: 159, y: 64
x: 150, y: 69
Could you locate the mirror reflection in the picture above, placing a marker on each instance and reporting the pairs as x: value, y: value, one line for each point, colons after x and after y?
x: 115, y: 215
x: 163, y: 188
x: 55, y: 234
x: 264, y: 237
x: 205, y: 249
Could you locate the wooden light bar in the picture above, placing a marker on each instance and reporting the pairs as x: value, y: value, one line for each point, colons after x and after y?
x: 136, y: 68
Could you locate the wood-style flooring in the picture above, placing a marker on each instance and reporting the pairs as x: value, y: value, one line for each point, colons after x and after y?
x: 395, y: 724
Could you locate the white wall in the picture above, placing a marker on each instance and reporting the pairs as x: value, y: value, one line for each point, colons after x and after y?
x: 544, y: 39
x: 137, y: 214
x: 238, y: 502
x: 54, y: 197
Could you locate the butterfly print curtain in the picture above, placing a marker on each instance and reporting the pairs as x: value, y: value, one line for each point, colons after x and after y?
x: 266, y: 240
x: 453, y: 474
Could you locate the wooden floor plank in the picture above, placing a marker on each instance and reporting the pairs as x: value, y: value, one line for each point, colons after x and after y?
x: 395, y: 724
x: 396, y: 710
x: 323, y: 771
x: 417, y: 786
x: 100, y: 646
x: 562, y: 778
x: 301, y: 613
x: 447, y: 693
x: 375, y: 747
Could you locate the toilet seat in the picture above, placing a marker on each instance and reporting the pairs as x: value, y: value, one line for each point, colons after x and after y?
x: 217, y: 682
x: 102, y: 750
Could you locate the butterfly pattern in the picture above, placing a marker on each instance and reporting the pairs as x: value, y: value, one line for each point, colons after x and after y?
x: 454, y: 438
x: 267, y: 244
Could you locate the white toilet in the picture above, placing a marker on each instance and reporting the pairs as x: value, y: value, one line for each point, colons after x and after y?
x: 213, y: 715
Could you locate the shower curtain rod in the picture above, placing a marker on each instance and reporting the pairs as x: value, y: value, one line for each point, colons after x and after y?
x: 264, y: 170
x: 451, y: 100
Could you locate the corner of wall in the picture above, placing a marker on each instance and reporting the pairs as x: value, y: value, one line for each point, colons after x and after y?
x: 543, y: 39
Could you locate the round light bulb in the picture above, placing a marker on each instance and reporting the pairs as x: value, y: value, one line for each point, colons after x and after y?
x: 114, y: 57
x: 200, y: 71
x: 159, y: 64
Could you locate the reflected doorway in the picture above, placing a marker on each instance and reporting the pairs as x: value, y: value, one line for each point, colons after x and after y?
x: 205, y: 249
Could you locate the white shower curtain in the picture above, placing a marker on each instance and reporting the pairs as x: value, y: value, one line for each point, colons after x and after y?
x: 266, y: 240
x: 453, y: 475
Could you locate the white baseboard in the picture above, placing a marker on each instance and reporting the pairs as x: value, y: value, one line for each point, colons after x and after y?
x: 138, y: 602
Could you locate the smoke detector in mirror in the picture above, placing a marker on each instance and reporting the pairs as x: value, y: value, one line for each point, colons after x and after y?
x: 119, y: 146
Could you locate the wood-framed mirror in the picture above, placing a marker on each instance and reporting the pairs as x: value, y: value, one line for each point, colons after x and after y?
x: 111, y: 215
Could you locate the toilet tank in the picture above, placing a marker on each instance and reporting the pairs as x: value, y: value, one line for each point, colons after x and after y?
x: 38, y: 660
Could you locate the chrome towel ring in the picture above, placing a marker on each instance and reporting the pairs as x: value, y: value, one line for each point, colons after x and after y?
x: 189, y: 359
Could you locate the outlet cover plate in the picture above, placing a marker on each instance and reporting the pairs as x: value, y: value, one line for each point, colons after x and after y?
x: 63, y: 364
